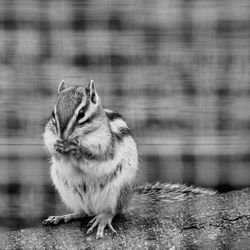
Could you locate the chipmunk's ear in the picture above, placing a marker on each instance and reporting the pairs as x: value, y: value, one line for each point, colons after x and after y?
x: 92, y: 92
x: 62, y: 86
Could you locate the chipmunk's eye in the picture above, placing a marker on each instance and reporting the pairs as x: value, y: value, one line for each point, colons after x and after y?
x: 81, y: 114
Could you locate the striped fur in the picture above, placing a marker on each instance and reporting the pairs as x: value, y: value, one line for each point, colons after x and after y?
x: 172, y: 192
x: 98, y: 175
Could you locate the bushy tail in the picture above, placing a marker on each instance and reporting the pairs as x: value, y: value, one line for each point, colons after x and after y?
x: 172, y: 192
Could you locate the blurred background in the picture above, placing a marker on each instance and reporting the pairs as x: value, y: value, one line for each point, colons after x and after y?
x: 178, y: 71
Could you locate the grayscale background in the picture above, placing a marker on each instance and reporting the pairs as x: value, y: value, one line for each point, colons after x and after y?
x: 178, y: 71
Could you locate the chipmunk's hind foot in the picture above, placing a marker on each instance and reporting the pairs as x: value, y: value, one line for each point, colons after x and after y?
x: 54, y: 220
x: 102, y: 220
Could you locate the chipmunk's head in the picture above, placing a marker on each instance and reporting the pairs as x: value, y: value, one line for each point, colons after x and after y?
x: 76, y: 109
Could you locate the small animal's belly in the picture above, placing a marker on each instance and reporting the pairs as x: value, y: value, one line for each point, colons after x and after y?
x: 84, y: 196
x: 72, y: 195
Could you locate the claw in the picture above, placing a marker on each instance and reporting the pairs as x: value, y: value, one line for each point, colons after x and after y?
x: 102, y: 220
x: 53, y: 220
x: 111, y: 228
x: 91, y: 221
x: 94, y: 223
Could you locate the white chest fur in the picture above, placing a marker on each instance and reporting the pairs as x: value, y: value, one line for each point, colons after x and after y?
x: 83, y: 192
x: 93, y: 187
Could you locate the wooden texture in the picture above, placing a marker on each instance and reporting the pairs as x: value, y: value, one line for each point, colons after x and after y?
x: 220, y: 221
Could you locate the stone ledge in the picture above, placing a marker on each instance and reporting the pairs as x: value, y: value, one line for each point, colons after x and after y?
x: 207, y: 222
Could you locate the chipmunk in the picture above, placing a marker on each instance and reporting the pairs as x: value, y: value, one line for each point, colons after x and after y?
x: 94, y: 159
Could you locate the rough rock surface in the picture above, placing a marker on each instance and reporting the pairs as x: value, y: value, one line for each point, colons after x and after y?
x: 220, y: 221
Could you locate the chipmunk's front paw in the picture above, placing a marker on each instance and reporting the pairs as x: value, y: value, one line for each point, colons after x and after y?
x: 65, y: 147
x: 102, y: 220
